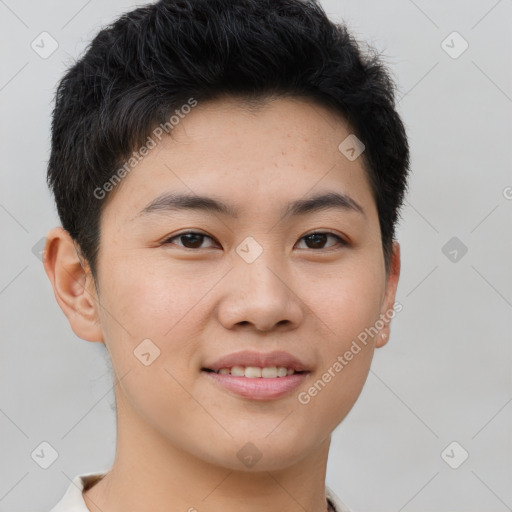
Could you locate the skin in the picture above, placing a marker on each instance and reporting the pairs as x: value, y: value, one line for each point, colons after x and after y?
x: 177, y: 433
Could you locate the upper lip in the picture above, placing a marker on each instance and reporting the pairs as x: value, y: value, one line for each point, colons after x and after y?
x: 249, y: 358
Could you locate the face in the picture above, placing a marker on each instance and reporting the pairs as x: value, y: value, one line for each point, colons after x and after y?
x: 186, y: 286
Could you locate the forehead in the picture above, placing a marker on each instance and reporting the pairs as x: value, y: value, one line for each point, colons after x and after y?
x: 278, y: 151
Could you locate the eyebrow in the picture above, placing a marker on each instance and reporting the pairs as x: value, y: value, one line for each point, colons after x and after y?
x: 178, y: 201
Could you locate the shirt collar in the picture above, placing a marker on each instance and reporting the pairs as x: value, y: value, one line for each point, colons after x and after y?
x: 73, y: 500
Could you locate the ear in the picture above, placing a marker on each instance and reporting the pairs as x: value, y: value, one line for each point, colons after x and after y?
x: 389, y: 297
x: 72, y: 284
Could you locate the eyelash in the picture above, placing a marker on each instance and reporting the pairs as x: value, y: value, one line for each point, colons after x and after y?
x: 341, y: 241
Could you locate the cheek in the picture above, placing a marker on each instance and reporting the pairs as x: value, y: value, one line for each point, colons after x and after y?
x: 168, y: 306
x: 346, y: 351
x: 148, y: 302
x: 148, y: 321
x: 346, y: 308
x: 330, y: 396
x: 144, y: 312
x: 348, y: 305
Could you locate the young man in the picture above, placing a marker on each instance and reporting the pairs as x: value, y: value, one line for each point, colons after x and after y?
x: 229, y: 175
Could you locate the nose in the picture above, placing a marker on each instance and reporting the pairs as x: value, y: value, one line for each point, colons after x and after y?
x: 260, y: 295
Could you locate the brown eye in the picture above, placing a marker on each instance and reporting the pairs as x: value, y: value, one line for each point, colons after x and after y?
x: 195, y: 240
x: 189, y: 240
x: 318, y: 240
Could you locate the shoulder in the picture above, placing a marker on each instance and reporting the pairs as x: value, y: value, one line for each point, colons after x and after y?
x: 73, y: 501
x: 336, y: 503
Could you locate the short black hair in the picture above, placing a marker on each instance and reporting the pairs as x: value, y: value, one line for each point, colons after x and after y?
x: 152, y: 60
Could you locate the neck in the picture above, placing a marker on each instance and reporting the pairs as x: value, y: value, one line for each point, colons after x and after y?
x: 151, y: 472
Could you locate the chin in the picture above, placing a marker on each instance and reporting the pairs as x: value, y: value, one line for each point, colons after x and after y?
x: 253, y: 454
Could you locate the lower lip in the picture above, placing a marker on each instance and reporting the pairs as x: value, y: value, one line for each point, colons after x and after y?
x: 258, y: 388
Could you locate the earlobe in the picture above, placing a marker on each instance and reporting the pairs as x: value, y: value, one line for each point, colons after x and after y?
x: 387, y: 311
x: 382, y: 338
x: 72, y: 285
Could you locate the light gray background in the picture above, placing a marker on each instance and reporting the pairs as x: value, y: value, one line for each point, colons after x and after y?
x: 446, y: 373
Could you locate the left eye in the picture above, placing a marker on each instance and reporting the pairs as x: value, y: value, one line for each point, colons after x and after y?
x: 193, y: 240
x: 318, y: 238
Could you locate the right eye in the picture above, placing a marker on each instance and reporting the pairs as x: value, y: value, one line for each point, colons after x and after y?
x: 189, y: 239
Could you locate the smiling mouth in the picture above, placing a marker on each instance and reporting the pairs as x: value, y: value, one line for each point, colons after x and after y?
x: 257, y: 382
x: 256, y: 372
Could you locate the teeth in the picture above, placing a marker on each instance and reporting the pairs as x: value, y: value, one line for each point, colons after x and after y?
x: 270, y: 372
x: 237, y: 371
x: 254, y: 372
x: 282, y: 371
